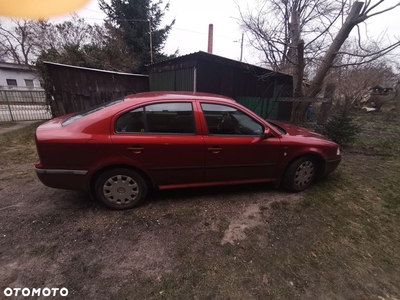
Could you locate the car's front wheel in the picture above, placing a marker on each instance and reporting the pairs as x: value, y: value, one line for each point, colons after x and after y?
x: 299, y: 174
x: 121, y: 188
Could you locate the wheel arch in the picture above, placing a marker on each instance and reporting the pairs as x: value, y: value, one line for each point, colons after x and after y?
x: 315, y: 155
x: 98, y: 172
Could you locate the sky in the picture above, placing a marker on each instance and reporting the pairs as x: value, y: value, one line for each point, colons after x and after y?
x: 190, y: 32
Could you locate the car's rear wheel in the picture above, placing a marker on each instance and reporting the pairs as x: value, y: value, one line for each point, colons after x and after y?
x: 300, y: 174
x: 121, y: 188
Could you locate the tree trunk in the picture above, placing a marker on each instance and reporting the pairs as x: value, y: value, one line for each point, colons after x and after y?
x: 294, y: 53
x: 301, y: 109
x: 326, y: 106
x: 397, y: 96
x: 297, y: 59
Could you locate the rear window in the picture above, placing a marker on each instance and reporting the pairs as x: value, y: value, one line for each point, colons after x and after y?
x: 164, y: 118
x: 89, y: 111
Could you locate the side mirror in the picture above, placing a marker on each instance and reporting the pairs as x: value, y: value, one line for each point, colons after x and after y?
x: 267, y: 133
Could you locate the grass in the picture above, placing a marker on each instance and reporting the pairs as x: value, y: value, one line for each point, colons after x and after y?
x: 340, y: 241
x: 6, y: 124
x: 378, y: 147
x: 18, y: 146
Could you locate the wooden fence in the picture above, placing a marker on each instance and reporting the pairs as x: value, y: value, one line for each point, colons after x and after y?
x: 77, y: 88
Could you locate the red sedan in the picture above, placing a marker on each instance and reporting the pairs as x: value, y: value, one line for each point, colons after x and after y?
x: 119, y: 150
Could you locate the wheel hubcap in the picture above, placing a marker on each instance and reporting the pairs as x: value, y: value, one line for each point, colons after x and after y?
x: 120, y: 189
x: 304, y: 174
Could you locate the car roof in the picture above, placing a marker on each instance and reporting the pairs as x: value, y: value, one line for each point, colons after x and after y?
x: 173, y: 95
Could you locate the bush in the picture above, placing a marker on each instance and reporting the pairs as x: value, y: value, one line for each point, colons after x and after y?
x: 341, y: 128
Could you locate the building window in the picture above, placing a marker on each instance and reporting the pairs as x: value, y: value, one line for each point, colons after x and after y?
x: 12, y: 82
x: 29, y: 83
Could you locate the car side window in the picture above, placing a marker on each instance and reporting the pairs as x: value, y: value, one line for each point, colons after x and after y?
x: 227, y: 120
x: 167, y: 118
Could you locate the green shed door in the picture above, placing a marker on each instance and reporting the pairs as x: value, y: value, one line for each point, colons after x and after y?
x: 264, y: 107
x: 177, y: 80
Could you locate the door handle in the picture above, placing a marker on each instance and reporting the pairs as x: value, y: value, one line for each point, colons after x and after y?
x: 215, y: 149
x: 136, y: 150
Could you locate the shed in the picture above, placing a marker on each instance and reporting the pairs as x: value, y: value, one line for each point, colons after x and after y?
x: 257, y: 88
x: 78, y: 88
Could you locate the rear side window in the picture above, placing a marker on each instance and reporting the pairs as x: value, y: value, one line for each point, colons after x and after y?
x: 89, y: 111
x: 166, y: 118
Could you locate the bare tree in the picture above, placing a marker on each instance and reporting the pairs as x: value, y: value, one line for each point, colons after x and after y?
x: 268, y: 28
x: 17, y: 42
x: 78, y: 43
x: 323, y: 37
x: 353, y: 83
x: 22, y: 41
x: 360, y: 12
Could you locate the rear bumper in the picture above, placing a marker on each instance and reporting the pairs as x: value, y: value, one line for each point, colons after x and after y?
x: 331, y: 165
x: 63, y: 179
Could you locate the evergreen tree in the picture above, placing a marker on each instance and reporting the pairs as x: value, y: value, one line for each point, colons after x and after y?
x: 132, y: 17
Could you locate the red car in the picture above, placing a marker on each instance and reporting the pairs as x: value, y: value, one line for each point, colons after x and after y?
x: 119, y: 150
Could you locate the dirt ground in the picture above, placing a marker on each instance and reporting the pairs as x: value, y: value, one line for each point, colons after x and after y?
x: 63, y: 239
x: 338, y: 240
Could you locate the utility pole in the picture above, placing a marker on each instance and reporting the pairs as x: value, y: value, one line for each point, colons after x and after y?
x: 151, y: 43
x: 150, y: 35
x: 241, y: 48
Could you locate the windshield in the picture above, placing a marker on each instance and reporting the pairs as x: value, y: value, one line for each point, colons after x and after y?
x: 89, y: 111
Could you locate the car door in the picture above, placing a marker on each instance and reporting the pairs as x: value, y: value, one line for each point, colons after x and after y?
x: 162, y: 137
x: 235, y: 149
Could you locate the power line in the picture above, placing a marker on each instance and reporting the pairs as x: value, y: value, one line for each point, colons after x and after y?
x: 96, y: 11
x: 89, y: 18
x: 181, y: 29
x: 204, y: 33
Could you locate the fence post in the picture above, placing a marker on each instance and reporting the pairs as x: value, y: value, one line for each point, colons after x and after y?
x: 32, y: 98
x: 8, y: 104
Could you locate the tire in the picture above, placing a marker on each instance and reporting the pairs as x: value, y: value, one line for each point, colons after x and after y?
x: 121, y: 188
x: 300, y: 174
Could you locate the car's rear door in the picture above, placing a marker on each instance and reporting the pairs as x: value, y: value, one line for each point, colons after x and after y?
x: 163, y: 138
x: 234, y: 147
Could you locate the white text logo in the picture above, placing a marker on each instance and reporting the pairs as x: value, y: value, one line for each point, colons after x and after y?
x: 27, y: 292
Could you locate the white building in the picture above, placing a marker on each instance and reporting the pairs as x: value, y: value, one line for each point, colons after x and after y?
x: 15, y: 75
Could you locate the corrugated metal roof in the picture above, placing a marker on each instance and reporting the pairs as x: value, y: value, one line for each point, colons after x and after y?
x: 221, y: 59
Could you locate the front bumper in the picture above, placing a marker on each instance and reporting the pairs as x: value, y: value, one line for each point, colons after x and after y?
x: 331, y: 165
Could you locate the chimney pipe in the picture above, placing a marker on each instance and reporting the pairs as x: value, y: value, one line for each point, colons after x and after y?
x: 210, y: 38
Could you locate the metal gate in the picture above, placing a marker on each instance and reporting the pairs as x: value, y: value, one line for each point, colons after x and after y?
x: 23, y: 105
